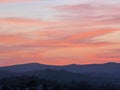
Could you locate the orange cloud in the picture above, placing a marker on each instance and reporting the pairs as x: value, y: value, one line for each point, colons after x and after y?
x: 89, y: 34
x: 106, y: 57
x: 48, y: 39
x: 28, y: 40
x: 22, y: 21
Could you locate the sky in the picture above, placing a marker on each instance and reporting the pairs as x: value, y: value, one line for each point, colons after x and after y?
x: 59, y: 32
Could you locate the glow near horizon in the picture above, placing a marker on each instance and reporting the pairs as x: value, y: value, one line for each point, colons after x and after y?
x: 59, y: 32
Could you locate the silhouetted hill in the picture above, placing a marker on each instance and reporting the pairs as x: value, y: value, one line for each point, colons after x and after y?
x: 25, y: 67
x: 59, y: 75
x: 6, y: 74
x: 107, y: 70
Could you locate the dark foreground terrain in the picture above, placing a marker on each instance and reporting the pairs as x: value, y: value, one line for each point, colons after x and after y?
x: 70, y: 77
x: 34, y: 83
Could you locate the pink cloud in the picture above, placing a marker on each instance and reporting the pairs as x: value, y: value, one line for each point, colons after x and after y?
x: 14, y: 1
x: 22, y: 21
x: 29, y: 39
x: 90, y: 13
x: 106, y: 57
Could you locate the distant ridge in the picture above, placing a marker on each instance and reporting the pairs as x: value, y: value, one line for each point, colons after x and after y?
x: 106, y: 67
x: 59, y: 65
x: 110, y: 70
x: 111, y: 63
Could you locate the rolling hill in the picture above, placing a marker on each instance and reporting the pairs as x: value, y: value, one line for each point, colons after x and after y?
x: 107, y: 70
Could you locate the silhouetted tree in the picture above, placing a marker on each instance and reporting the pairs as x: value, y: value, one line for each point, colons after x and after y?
x: 44, y: 86
x: 32, y: 83
x: 5, y: 88
x: 84, y: 86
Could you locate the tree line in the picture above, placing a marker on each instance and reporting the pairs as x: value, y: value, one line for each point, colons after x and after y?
x: 35, y: 83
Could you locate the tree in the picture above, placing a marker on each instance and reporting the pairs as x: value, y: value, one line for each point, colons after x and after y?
x: 44, y: 86
x: 5, y: 88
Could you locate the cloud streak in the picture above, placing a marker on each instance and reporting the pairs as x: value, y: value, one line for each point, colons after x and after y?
x: 14, y: 1
x: 84, y: 33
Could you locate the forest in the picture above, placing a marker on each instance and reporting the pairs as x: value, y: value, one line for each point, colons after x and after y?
x: 35, y: 83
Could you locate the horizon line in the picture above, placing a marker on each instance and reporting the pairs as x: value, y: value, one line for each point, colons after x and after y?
x: 60, y: 65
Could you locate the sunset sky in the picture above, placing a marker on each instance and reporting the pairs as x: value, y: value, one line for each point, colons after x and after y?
x: 59, y: 32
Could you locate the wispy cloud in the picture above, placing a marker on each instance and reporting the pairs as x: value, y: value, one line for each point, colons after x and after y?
x: 14, y: 1
x: 84, y: 33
